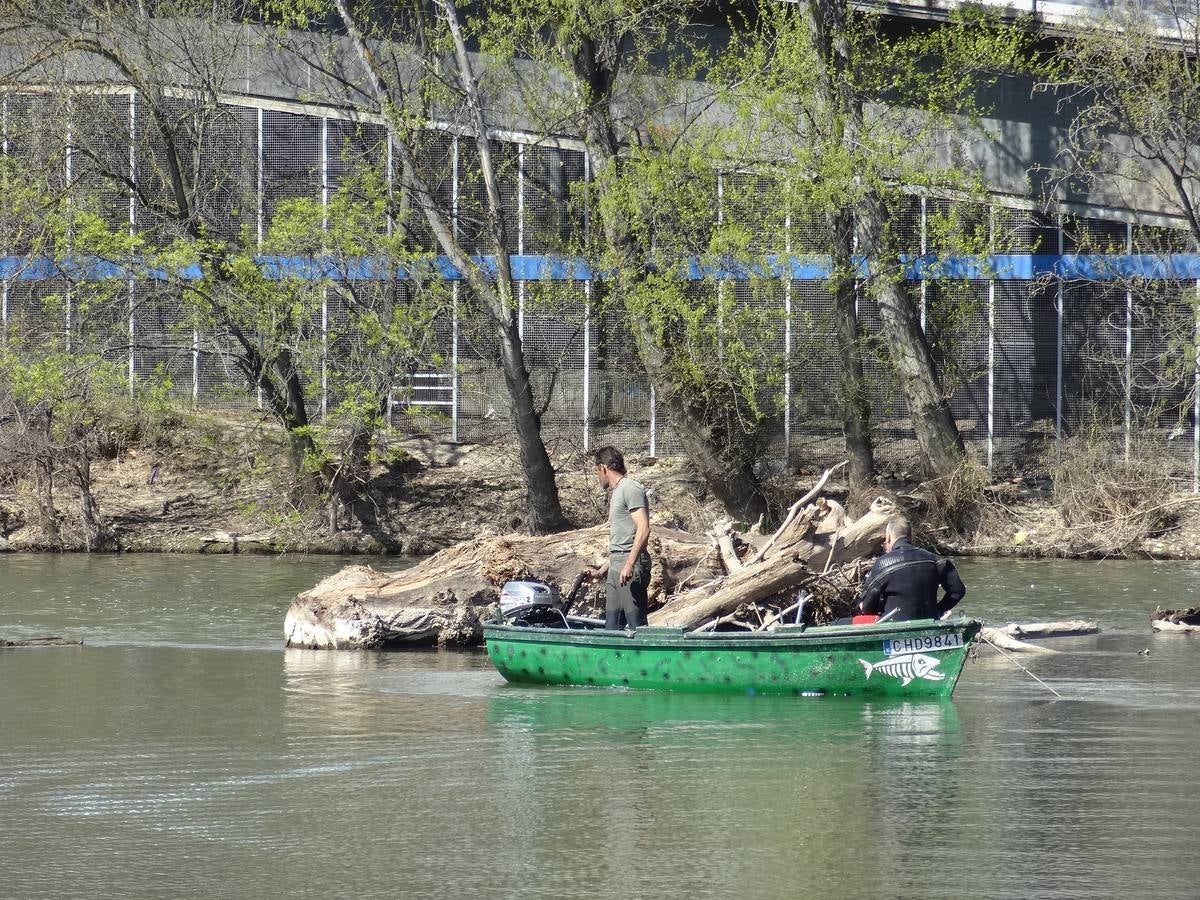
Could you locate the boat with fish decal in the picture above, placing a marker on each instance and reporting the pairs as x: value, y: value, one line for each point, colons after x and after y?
x: 917, y: 658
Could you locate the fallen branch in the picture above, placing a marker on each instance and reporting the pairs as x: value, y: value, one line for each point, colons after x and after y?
x: 723, y: 537
x: 792, y: 512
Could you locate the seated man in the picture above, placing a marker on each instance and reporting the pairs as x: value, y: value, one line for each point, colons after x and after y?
x: 906, y: 579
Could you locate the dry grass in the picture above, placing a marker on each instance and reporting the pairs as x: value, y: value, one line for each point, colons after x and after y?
x: 957, y: 502
x: 1109, y: 503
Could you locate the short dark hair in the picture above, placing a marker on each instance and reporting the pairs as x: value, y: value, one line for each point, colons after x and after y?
x: 611, y: 458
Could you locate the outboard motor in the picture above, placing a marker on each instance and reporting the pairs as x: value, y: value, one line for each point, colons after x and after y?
x: 530, y: 603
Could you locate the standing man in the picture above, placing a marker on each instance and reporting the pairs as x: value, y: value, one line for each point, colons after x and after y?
x: 628, y: 565
x: 906, y: 579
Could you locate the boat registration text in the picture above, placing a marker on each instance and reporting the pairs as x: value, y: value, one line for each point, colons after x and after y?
x: 922, y: 644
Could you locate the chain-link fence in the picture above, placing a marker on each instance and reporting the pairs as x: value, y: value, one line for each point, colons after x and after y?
x: 1027, y: 362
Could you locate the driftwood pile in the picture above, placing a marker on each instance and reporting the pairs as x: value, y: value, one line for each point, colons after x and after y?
x: 722, y: 580
x: 1176, y: 619
x: 817, y: 550
x: 442, y: 600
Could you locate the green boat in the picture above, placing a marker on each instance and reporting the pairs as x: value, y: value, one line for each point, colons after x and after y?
x: 921, y: 658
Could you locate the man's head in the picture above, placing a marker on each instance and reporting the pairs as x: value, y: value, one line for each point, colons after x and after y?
x: 898, y: 528
x: 610, y: 465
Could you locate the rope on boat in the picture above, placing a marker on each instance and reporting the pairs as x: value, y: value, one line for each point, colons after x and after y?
x: 1021, y: 667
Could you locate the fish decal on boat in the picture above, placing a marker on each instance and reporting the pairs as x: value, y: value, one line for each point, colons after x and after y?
x: 907, y: 667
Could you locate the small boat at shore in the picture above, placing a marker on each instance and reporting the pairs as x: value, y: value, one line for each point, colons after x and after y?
x: 894, y: 659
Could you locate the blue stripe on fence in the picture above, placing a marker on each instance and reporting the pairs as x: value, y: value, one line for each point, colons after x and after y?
x: 1002, y: 267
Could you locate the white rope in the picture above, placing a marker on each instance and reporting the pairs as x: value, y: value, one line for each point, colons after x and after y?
x: 1021, y: 667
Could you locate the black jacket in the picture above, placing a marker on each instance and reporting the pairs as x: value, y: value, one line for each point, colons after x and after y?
x: 906, y: 579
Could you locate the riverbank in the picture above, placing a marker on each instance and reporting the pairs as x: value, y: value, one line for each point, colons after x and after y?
x: 213, y: 489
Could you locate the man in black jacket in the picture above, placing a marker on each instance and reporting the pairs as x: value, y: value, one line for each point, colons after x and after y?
x: 906, y: 579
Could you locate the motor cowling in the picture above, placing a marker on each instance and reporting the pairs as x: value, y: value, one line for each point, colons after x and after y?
x: 515, y: 595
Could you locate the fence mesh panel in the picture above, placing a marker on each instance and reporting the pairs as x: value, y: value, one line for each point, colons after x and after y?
x: 1114, y: 360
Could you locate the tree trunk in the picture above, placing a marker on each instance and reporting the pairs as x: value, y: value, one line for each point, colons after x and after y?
x: 545, y: 510
x: 826, y: 24
x: 937, y: 434
x: 942, y: 448
x: 856, y: 408
x: 713, y: 454
x: 47, y: 514
x: 89, y: 510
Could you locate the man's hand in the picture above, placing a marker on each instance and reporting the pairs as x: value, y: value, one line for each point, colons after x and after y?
x: 597, y: 572
x: 627, y: 571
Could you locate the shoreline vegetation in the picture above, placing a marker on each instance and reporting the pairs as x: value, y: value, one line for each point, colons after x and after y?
x: 221, y: 484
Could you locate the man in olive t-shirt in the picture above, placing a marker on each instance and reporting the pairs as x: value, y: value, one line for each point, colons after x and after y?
x: 629, y: 531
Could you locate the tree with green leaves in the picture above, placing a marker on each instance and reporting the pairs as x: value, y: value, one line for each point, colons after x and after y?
x: 853, y: 117
x: 625, y: 78
x: 64, y: 392
x: 179, y: 217
x: 414, y: 62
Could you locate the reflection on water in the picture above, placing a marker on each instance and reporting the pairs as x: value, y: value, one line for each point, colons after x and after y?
x: 153, y: 762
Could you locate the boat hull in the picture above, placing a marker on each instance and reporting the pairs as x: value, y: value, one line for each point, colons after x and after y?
x: 922, y: 658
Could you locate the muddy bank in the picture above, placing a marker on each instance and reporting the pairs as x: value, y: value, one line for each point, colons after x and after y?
x: 217, y: 492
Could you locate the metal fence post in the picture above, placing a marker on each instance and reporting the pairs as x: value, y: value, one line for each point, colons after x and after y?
x: 721, y: 286
x: 653, y: 422
x: 70, y: 229
x: 787, y: 339
x: 1196, y: 400
x: 1058, y: 362
x: 391, y: 396
x: 1128, y: 351
x: 4, y: 284
x: 132, y: 229
x: 454, y: 384
x: 587, y: 312
x: 924, y: 250
x: 520, y: 237
x: 324, y: 291
x: 991, y: 383
x: 260, y: 225
x: 195, y: 367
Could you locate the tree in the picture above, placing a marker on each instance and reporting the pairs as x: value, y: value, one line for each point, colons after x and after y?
x: 413, y: 62
x: 855, y: 117
x: 183, y: 204
x: 1133, y: 94
x: 654, y: 169
x: 64, y: 396
x: 1129, y: 80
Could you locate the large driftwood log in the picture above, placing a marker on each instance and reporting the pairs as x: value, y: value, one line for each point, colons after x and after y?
x: 440, y: 600
x: 1179, y: 620
x: 49, y: 641
x: 1034, y: 630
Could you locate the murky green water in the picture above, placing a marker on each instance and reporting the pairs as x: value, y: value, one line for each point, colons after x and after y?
x: 183, y: 753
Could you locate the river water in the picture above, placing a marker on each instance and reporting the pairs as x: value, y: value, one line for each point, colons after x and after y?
x: 182, y: 752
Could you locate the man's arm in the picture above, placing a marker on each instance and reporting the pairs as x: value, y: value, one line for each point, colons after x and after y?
x: 953, y: 584
x: 641, y: 537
